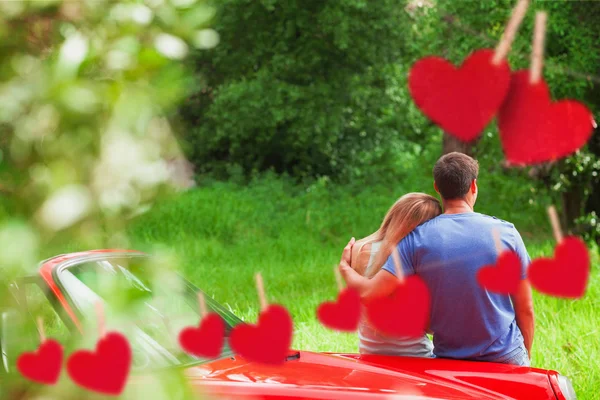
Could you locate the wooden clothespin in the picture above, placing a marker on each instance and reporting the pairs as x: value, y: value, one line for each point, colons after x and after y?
x: 510, y: 32
x: 40, y: 328
x: 558, y: 235
x: 261, y: 292
x: 100, y: 318
x: 338, y: 278
x: 537, y: 53
x: 202, y: 305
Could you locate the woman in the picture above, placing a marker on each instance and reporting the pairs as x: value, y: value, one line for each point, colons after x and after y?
x: 370, y: 254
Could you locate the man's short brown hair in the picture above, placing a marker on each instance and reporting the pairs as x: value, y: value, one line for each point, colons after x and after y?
x: 453, y: 174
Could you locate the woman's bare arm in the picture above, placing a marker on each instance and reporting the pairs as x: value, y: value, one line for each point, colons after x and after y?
x: 382, y: 284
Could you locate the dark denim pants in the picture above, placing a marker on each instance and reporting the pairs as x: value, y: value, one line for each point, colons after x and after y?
x: 518, y: 356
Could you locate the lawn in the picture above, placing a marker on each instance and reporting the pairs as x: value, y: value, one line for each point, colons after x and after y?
x: 223, y: 234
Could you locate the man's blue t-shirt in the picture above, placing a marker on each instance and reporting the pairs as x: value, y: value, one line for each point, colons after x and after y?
x: 467, y: 321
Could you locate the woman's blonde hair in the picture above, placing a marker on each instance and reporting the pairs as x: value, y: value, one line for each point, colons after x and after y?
x: 406, y: 214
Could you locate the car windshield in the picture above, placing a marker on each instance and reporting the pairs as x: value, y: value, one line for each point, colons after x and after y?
x: 148, y: 305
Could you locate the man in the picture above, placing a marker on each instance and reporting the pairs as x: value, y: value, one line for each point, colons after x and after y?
x: 466, y: 320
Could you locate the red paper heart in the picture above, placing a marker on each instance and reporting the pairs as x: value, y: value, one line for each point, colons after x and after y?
x: 104, y: 370
x: 566, y: 274
x: 206, y: 340
x: 342, y: 315
x: 269, y: 341
x: 504, y: 276
x: 405, y: 312
x: 460, y: 100
x: 42, y: 365
x: 535, y: 130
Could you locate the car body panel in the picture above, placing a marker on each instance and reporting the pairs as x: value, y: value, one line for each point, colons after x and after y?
x: 553, y: 376
x: 342, y: 376
x: 354, y: 376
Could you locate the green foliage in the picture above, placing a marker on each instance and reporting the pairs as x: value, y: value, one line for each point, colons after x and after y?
x: 315, y: 89
x: 571, y: 36
x: 589, y: 224
x: 304, y: 87
x: 324, y: 93
x: 274, y: 207
x: 582, y: 170
x: 571, y: 54
x: 86, y: 87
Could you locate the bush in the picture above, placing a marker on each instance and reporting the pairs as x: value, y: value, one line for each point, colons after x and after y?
x: 305, y: 88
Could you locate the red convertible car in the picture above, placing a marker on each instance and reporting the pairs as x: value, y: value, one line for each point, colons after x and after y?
x: 66, y: 288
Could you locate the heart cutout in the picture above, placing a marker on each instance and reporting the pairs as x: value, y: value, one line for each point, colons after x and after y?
x: 343, y: 314
x: 104, y: 370
x: 405, y: 313
x: 564, y: 275
x: 534, y: 130
x: 206, y: 340
x: 44, y: 364
x: 268, y: 341
x: 463, y: 100
x: 504, y: 276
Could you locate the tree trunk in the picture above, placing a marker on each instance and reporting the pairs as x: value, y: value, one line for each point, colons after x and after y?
x: 575, y: 203
x: 450, y: 144
x: 572, y: 205
x: 593, y: 202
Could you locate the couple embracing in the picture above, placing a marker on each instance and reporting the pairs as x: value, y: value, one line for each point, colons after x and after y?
x: 445, y: 245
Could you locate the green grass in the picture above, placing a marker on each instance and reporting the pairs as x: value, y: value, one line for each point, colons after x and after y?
x: 223, y: 234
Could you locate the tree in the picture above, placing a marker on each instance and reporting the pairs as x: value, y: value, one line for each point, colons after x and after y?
x: 320, y: 87
x: 571, y: 54
x: 301, y: 87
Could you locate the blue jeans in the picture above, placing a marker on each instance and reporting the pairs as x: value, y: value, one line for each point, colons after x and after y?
x: 518, y: 356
